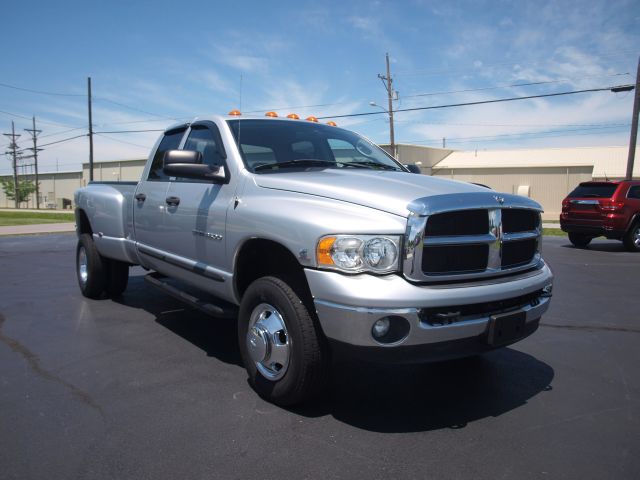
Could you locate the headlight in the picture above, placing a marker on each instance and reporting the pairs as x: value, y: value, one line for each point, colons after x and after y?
x: 361, y: 253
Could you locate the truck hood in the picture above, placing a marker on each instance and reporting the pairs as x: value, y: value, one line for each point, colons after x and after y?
x: 383, y: 190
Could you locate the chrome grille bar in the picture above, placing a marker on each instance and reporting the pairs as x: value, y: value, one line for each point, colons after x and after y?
x: 418, y: 244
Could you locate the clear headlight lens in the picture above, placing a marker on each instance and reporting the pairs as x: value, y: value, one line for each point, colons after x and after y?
x: 359, y: 253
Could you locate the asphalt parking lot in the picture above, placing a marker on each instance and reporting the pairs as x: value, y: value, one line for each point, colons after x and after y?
x: 143, y: 387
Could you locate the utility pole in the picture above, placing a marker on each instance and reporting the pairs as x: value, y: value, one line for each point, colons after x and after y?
x: 34, y: 136
x: 13, y: 149
x: 90, y: 130
x: 388, y: 84
x: 634, y: 127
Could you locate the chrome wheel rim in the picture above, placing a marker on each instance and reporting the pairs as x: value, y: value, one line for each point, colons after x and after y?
x: 636, y: 237
x: 268, y: 342
x: 83, y: 272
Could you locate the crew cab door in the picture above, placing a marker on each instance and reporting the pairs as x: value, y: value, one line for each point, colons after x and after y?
x: 196, y: 211
x: 149, y: 205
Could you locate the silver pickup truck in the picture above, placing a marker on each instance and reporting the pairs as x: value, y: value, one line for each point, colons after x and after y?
x: 318, y: 242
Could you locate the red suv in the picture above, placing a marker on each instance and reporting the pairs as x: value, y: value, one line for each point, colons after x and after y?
x: 611, y: 209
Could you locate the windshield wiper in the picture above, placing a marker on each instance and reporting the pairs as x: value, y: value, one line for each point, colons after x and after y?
x: 371, y: 164
x: 308, y: 162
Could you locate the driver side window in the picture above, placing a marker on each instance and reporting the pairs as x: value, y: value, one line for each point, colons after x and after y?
x: 201, y: 139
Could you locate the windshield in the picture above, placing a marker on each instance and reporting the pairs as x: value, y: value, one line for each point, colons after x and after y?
x: 269, y: 146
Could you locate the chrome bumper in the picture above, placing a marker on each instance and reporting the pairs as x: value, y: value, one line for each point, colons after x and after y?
x: 348, y: 306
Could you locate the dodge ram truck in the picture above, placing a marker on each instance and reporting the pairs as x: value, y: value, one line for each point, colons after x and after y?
x: 316, y: 241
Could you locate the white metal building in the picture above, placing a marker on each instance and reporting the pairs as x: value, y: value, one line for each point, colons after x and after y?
x: 546, y: 175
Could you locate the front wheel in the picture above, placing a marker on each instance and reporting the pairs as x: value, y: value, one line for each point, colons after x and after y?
x: 281, y: 345
x: 631, y: 239
x: 579, y: 240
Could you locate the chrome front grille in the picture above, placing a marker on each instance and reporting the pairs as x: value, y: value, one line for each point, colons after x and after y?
x: 473, y: 235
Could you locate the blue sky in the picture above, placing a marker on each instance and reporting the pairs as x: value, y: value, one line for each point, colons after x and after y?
x: 154, y: 62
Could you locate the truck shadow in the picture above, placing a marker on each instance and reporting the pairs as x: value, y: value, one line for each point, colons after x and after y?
x: 400, y: 399
x: 378, y: 398
x: 216, y: 337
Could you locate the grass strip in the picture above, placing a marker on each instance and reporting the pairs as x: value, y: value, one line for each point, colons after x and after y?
x: 34, y: 218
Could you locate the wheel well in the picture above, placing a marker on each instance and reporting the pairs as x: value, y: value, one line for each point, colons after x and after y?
x: 259, y: 257
x: 634, y: 219
x: 82, y: 222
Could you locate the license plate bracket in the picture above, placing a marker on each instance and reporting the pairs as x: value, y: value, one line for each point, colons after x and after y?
x: 505, y: 328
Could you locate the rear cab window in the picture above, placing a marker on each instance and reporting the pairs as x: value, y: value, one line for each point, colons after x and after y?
x: 170, y: 141
x: 594, y: 190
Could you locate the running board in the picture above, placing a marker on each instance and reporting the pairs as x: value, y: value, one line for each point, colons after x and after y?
x: 225, y: 310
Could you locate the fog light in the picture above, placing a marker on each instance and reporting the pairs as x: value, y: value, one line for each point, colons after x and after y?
x: 381, y: 327
x: 547, y: 291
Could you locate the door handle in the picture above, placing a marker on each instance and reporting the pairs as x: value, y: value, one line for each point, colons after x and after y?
x: 173, y: 201
x: 141, y: 197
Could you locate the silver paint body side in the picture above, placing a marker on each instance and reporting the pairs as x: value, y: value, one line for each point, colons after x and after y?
x: 295, y: 209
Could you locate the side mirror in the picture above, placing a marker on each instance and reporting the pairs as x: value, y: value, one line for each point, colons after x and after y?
x: 188, y: 164
x: 413, y: 168
x: 172, y: 157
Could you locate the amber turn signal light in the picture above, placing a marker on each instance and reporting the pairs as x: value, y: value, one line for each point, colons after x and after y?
x: 323, y: 252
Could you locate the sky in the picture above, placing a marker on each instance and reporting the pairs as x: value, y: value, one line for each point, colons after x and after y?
x: 155, y: 63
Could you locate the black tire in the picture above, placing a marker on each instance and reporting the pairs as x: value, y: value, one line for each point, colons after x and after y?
x: 631, y: 239
x: 90, y: 268
x: 579, y: 240
x: 307, y: 366
x: 117, y: 277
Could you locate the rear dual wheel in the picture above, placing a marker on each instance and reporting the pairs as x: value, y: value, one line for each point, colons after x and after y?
x: 97, y: 274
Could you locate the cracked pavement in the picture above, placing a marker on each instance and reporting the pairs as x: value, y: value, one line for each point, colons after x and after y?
x: 143, y: 387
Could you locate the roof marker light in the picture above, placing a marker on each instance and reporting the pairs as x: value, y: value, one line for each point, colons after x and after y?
x: 293, y: 116
x: 332, y: 123
x: 312, y: 119
x: 235, y: 113
x: 271, y: 114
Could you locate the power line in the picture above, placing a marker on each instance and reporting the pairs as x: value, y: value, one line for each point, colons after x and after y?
x: 498, y: 64
x: 299, y: 106
x: 61, y: 132
x: 133, y: 108
x: 63, y: 140
x: 146, y: 147
x: 503, y: 135
x: 17, y: 115
x: 482, y: 102
x: 457, y: 124
x: 40, y: 92
x: 496, y: 87
x: 135, y: 131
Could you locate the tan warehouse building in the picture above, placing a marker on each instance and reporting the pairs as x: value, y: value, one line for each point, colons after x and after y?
x: 545, y: 175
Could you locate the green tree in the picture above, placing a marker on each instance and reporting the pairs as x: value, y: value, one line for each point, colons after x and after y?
x: 25, y: 188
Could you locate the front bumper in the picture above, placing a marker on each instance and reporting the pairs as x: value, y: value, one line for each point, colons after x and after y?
x: 348, y: 306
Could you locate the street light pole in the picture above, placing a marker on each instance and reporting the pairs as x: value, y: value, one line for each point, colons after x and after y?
x: 634, y: 127
x: 388, y: 85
